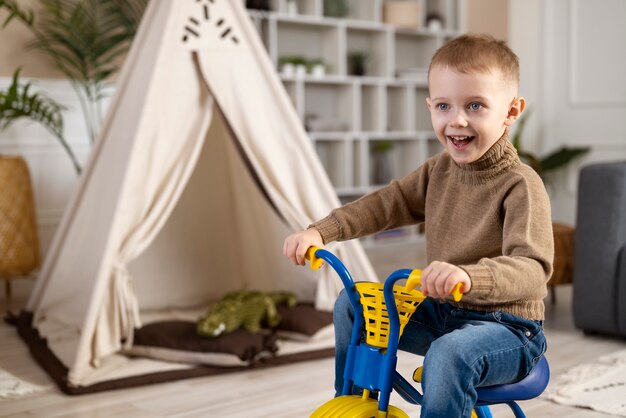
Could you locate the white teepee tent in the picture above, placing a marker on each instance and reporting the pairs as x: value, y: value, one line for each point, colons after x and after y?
x: 201, y: 169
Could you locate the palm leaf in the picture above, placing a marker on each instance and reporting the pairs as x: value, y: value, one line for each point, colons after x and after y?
x: 83, y: 37
x: 17, y: 103
x: 553, y: 161
x: 562, y: 157
x: 15, y: 12
x: 126, y: 14
x: 86, y: 39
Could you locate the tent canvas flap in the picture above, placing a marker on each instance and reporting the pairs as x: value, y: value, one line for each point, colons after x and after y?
x: 201, y: 140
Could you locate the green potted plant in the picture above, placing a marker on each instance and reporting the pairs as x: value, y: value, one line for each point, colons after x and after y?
x: 85, y: 39
x: 357, y: 62
x: 316, y: 67
x: 20, y: 102
x: 546, y: 165
x: 293, y: 65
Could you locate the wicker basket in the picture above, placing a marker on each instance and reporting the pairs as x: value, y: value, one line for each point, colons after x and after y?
x: 19, y: 242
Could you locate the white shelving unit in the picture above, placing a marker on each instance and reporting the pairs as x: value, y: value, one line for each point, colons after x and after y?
x: 350, y: 117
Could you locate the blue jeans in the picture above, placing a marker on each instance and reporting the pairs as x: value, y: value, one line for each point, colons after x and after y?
x: 462, y: 350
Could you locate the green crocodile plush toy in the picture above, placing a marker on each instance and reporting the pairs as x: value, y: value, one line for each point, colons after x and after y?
x: 244, y: 308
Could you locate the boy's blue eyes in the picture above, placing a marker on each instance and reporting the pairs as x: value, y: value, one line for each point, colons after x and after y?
x: 472, y: 106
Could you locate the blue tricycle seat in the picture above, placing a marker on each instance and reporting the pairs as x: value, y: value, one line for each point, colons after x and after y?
x: 528, y: 388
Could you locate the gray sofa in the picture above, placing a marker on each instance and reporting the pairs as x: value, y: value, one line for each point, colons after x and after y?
x: 600, y: 250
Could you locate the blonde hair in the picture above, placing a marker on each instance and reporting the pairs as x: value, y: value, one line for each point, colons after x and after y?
x: 478, y: 53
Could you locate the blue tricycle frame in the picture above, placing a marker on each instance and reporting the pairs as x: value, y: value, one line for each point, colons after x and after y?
x: 374, y: 369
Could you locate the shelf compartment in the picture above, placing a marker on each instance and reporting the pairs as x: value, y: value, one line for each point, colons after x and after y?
x: 335, y: 155
x: 329, y: 107
x: 447, y: 10
x: 403, y: 156
x: 422, y: 114
x: 321, y: 42
x: 413, y: 50
x: 303, y: 7
x: 360, y: 165
x: 397, y: 101
x: 372, y: 42
x: 366, y: 10
x: 372, y: 111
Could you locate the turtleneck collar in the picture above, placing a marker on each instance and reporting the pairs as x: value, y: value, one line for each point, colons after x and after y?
x: 499, y: 158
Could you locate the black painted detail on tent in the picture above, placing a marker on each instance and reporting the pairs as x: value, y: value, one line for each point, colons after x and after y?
x: 206, y: 17
x: 191, y: 31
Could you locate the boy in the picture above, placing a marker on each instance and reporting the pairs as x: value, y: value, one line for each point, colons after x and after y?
x: 488, y: 226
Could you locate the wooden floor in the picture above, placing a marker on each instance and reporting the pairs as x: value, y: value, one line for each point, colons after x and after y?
x: 287, y: 391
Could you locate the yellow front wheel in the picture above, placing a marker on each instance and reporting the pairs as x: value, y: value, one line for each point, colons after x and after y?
x: 354, y: 406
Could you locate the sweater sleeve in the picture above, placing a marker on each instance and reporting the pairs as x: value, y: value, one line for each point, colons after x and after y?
x: 525, y: 266
x: 400, y: 203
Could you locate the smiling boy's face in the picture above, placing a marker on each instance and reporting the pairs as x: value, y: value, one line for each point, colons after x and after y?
x: 470, y: 111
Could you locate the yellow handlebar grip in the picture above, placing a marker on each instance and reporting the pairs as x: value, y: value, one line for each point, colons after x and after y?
x: 315, y: 263
x: 457, y: 292
x: 415, y: 280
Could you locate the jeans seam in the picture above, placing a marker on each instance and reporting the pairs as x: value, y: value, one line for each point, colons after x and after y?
x: 466, y: 390
x: 427, y: 325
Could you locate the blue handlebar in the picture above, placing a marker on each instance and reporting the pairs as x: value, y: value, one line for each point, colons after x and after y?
x: 353, y: 295
x: 392, y: 310
x: 343, y: 273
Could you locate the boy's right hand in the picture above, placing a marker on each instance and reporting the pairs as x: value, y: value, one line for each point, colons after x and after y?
x: 295, y: 245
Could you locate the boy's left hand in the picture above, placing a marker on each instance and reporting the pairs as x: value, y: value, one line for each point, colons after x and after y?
x: 439, y: 278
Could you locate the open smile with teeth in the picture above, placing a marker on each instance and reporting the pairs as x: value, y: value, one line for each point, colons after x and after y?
x: 460, y: 141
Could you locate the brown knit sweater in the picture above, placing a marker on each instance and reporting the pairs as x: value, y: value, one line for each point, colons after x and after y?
x: 490, y: 217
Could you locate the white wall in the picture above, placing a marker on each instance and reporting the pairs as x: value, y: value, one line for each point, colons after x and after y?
x: 572, y: 55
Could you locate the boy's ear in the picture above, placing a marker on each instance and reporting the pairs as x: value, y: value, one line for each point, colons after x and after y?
x: 428, y: 103
x: 515, y: 110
